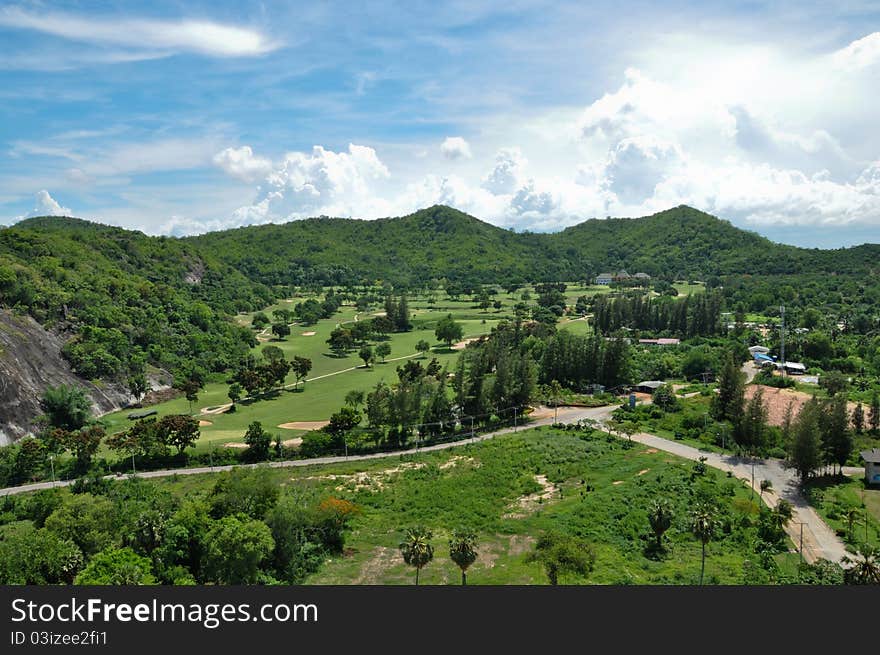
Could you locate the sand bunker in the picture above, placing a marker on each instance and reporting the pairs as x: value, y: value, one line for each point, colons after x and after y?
x: 220, y: 409
x: 461, y: 345
x: 308, y: 334
x: 616, y: 482
x: 287, y: 443
x: 204, y: 424
x: 304, y: 425
x: 643, y: 471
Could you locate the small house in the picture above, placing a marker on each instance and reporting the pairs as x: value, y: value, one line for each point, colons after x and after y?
x: 604, y: 278
x: 792, y: 368
x: 648, y: 386
x: 871, y: 458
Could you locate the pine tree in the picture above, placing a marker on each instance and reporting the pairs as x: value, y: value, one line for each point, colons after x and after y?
x: 805, y: 448
x: 730, y: 401
x: 858, y: 419
x: 837, y: 441
x: 751, y: 428
x: 874, y: 414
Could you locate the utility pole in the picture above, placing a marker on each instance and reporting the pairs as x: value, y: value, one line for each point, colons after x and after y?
x: 472, y: 427
x: 514, y: 419
x: 133, y: 470
x: 782, y: 338
x: 52, y: 464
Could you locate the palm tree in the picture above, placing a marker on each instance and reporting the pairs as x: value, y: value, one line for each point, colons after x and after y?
x: 660, y: 518
x: 416, y: 549
x: 462, y: 551
x: 555, y: 396
x: 865, y: 568
x: 703, y: 524
x: 852, y: 515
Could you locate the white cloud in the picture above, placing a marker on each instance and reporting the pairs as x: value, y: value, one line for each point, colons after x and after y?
x: 319, y: 182
x: 455, y: 147
x: 859, y: 54
x: 46, y: 205
x: 160, y: 36
x: 508, y: 173
x: 241, y: 163
x: 637, y: 164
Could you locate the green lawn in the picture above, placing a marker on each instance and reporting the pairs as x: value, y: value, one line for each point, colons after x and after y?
x: 330, y: 379
x: 595, y: 488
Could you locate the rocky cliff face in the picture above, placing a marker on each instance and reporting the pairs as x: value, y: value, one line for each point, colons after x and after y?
x: 30, y: 361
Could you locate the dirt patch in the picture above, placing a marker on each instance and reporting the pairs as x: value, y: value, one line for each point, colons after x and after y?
x: 204, y: 424
x: 304, y: 425
x: 778, y: 400
x: 373, y: 570
x: 643, y: 471
x: 235, y: 444
x: 373, y: 481
x: 309, y: 334
x: 486, y: 556
x: 650, y: 451
x: 525, y: 505
x: 520, y: 544
x: 457, y: 460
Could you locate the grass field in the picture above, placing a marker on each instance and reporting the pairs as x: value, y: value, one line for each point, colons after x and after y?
x: 332, y: 377
x: 511, y: 489
x: 833, y: 496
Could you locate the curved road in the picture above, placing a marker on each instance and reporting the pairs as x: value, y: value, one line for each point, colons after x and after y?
x: 819, y: 541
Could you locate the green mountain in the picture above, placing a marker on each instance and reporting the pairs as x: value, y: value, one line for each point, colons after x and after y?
x: 440, y: 242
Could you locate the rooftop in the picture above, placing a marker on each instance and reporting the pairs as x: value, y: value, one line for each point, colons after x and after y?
x: 872, y: 456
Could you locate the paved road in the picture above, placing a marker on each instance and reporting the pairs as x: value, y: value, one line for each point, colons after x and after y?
x: 566, y: 414
x: 819, y: 541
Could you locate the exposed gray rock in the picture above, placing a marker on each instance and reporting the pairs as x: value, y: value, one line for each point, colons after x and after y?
x: 31, y: 361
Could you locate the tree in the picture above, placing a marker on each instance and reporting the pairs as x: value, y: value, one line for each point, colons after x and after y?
x: 834, y: 382
x: 416, y: 548
x: 179, y: 431
x: 660, y: 517
x: 66, y: 407
x: 703, y: 525
x: 366, y: 354
x: 766, y: 485
x: 354, y: 399
x: 448, y: 330
x: 728, y: 404
x: 462, y: 551
x: 554, y: 396
x: 664, y: 398
x: 138, y: 385
x: 874, y: 413
x: 258, y: 441
x: 249, y: 491
x: 383, y: 350
x: 260, y: 320
x: 280, y: 330
x: 300, y: 367
x: 340, y: 341
x: 190, y: 385
x: 804, y: 449
x: 423, y: 347
x: 837, y: 439
x: 750, y: 429
x: 864, y: 567
x: 560, y: 554
x: 235, y: 547
x: 29, y: 556
x: 235, y: 393
x: 29, y: 459
x: 84, y: 443
x: 117, y: 566
x: 858, y: 419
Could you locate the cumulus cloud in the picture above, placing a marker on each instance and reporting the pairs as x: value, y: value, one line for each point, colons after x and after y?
x: 242, y: 163
x: 46, y: 205
x: 455, y: 147
x: 318, y: 182
x: 859, y: 54
x: 637, y: 164
x: 508, y: 172
x: 160, y: 36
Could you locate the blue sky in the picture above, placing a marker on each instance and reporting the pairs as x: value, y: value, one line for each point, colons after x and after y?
x: 177, y: 118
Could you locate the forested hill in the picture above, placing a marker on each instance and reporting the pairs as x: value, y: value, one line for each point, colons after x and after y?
x: 442, y: 242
